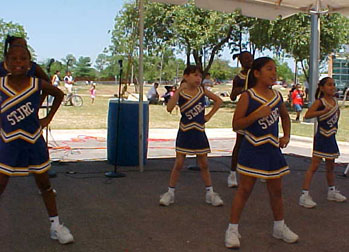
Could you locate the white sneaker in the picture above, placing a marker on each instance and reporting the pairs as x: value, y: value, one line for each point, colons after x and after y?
x: 166, y: 199
x: 285, y: 234
x: 335, y: 195
x: 62, y: 234
x: 213, y: 199
x: 306, y: 201
x: 232, y: 238
x: 232, y: 181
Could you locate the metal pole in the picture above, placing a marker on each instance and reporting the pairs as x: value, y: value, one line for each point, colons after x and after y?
x: 314, y: 60
x: 140, y: 77
x: 314, y: 56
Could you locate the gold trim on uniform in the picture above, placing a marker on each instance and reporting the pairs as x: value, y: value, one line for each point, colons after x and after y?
x: 325, y: 155
x: 18, y: 97
x: 327, y: 133
x: 193, y: 125
x: 261, y: 173
x: 271, y: 102
x: 21, y: 134
x: 193, y: 151
x: 22, y: 171
x: 192, y: 100
x: 256, y: 141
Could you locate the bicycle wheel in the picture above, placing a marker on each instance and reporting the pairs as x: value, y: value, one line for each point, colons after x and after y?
x: 77, y: 101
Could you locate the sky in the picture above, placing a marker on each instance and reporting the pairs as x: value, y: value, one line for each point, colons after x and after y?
x: 79, y: 27
x: 58, y: 28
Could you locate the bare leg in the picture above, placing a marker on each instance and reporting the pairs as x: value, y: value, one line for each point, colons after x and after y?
x: 43, y: 182
x: 275, y: 195
x: 3, y: 182
x: 176, y: 170
x: 234, y: 156
x: 241, y: 197
x: 329, y: 172
x: 204, y: 171
x: 315, y: 162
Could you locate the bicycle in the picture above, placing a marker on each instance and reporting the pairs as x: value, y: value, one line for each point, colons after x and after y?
x: 74, y: 99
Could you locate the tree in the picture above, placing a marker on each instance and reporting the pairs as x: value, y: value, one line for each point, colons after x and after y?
x: 83, y: 68
x: 221, y: 70
x: 293, y: 36
x: 69, y: 62
x: 10, y: 28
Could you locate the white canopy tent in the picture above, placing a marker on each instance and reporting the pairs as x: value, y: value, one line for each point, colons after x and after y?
x: 265, y: 9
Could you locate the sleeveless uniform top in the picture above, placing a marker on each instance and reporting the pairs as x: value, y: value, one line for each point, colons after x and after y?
x: 259, y: 154
x: 240, y: 81
x: 191, y: 137
x: 22, y: 147
x: 30, y: 73
x: 325, y: 144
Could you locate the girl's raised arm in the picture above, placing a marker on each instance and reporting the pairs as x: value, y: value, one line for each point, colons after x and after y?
x: 240, y: 120
x: 312, y: 111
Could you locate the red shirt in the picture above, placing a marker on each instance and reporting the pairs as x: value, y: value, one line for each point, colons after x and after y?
x: 297, y: 97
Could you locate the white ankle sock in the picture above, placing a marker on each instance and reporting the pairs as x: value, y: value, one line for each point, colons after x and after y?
x: 54, y: 221
x: 305, y: 192
x: 234, y: 227
x: 232, y: 172
x: 209, y: 189
x: 171, y: 189
x: 279, y: 224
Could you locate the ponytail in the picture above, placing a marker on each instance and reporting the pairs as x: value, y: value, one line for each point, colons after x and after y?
x: 318, y: 93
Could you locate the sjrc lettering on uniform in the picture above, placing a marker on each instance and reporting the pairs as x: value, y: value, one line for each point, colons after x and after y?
x: 20, y: 113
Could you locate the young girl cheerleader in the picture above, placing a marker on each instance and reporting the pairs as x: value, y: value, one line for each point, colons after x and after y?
x: 191, y: 138
x: 22, y: 147
x: 239, y: 85
x: 257, y: 113
x: 325, y: 108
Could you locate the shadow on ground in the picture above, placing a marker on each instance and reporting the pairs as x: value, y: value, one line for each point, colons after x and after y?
x: 123, y: 214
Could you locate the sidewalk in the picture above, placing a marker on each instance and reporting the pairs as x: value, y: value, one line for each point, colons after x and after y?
x: 91, y: 144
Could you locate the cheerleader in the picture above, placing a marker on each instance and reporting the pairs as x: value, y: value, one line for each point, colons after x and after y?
x: 239, y: 85
x: 326, y: 110
x: 22, y: 147
x: 191, y: 137
x: 257, y: 113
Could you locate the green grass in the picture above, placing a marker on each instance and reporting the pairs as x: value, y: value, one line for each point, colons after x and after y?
x: 94, y: 116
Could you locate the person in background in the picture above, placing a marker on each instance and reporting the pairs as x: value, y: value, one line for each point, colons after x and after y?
x: 93, y: 92
x: 153, y: 95
x: 208, y: 84
x: 239, y: 85
x: 68, y: 83
x: 297, y: 100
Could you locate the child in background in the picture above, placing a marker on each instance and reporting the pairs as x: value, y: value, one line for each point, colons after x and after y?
x: 191, y: 137
x: 326, y: 110
x: 257, y: 113
x: 93, y: 92
x: 297, y: 100
x: 25, y: 153
x: 239, y: 86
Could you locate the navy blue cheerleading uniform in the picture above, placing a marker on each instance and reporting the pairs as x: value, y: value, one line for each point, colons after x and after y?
x: 260, y: 155
x: 22, y: 147
x: 325, y: 144
x: 191, y: 137
x: 30, y: 73
x: 240, y: 81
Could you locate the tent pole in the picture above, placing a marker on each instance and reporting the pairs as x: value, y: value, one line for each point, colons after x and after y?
x: 140, y: 78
